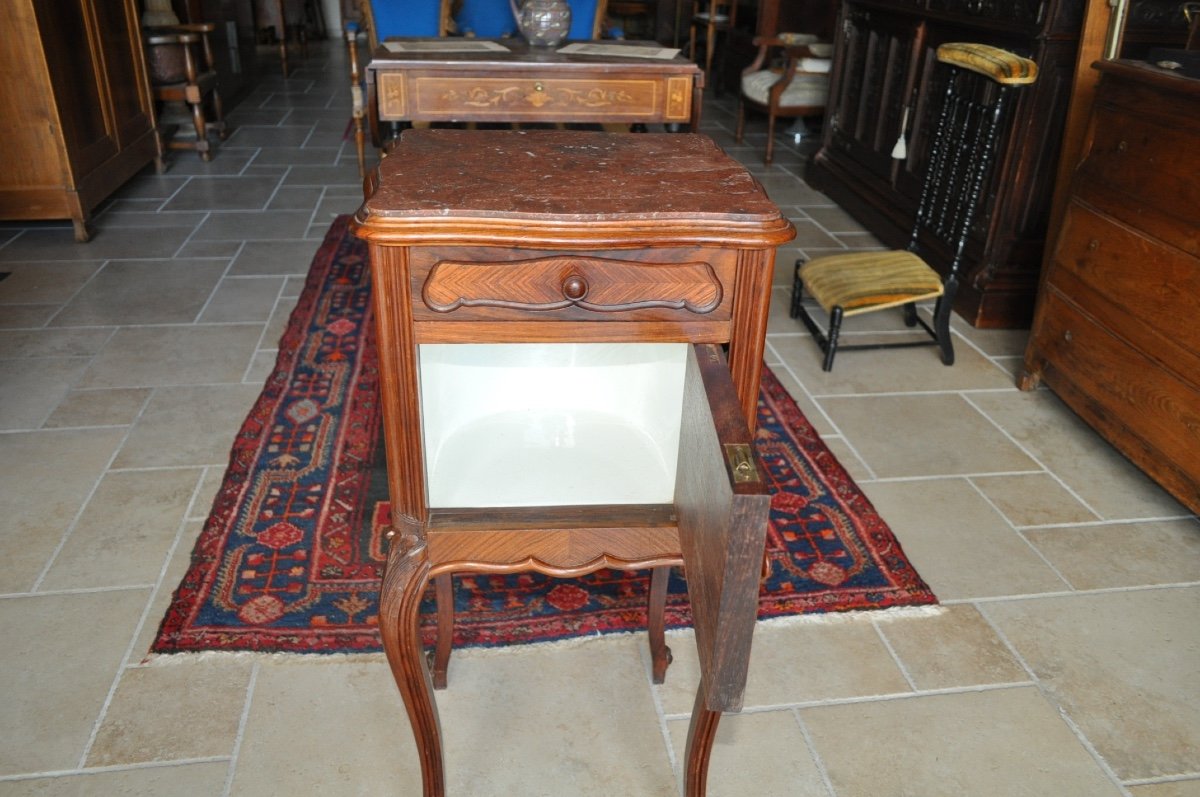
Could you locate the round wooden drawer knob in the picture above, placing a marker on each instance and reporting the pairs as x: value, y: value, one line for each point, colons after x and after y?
x: 574, y: 287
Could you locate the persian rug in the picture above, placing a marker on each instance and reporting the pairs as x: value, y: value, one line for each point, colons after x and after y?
x: 291, y: 555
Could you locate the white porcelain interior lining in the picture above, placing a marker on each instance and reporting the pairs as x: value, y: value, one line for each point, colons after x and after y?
x: 523, y: 424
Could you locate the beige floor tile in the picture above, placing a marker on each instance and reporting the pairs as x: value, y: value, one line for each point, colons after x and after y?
x: 213, y: 478
x: 1125, y: 554
x: 1181, y: 788
x: 145, y: 213
x: 116, y: 407
x: 125, y: 531
x: 996, y: 342
x: 274, y: 257
x: 848, y: 458
x: 47, y: 476
x: 177, y: 710
x: 326, y: 727
x: 576, y: 720
x: 959, y: 544
x: 30, y: 388
x: 890, y: 371
x: 183, y: 780
x: 175, y: 355
x: 791, y: 664
x: 930, y: 435
x: 1033, y: 499
x: 58, y: 661
x: 172, y: 577
x: 243, y: 299
x: 143, y: 292
x: 1124, y: 666
x: 223, y: 250
x: 762, y: 753
x: 230, y: 193
x: 1002, y: 743
x: 191, y: 425
x: 953, y: 649
x: 106, y: 244
x: 26, y: 316
x: 53, y: 342
x: 44, y: 283
x: 834, y: 219
x: 811, y: 411
x: 276, y: 326
x: 261, y: 367
x: 1097, y: 472
x: 810, y: 236
x: 272, y: 225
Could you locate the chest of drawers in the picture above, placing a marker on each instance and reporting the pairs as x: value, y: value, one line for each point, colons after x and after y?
x: 1116, y: 332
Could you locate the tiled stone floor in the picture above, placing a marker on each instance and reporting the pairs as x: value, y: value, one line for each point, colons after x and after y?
x: 1066, y: 660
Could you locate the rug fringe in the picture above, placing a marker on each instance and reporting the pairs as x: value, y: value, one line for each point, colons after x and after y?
x: 824, y: 618
x: 833, y: 618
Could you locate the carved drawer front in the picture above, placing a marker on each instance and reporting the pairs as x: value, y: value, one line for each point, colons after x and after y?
x: 574, y: 286
x: 1151, y: 290
x: 1112, y: 384
x: 417, y: 95
x: 1138, y: 161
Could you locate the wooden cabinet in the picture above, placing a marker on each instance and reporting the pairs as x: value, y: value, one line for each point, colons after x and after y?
x: 1116, y: 333
x: 884, y: 82
x: 78, y: 103
x: 503, y: 265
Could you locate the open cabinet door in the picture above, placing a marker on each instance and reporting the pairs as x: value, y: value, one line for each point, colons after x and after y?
x: 722, y: 504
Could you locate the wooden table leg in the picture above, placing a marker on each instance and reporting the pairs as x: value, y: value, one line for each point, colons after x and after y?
x: 404, y: 582
x: 660, y: 654
x: 444, y: 584
x: 701, y: 732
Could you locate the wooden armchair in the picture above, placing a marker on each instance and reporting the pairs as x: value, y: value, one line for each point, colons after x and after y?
x: 181, y: 67
x: 789, y: 77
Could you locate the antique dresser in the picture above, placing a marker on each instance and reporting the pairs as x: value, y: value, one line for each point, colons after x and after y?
x: 1117, y: 329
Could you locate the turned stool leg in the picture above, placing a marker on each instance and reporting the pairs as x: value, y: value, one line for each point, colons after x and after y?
x: 660, y: 654
x: 701, y: 732
x: 404, y: 581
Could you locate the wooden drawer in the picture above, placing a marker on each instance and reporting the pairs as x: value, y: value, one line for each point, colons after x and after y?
x: 517, y: 96
x: 1136, y: 162
x: 468, y: 284
x: 1151, y: 414
x: 1152, y: 291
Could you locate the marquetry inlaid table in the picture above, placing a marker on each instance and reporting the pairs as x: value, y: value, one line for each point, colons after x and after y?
x: 553, y: 310
x: 506, y: 80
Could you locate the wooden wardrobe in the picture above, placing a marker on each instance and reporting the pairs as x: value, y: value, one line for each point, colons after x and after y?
x: 77, y: 100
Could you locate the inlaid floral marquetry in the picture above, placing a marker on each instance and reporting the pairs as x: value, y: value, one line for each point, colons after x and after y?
x: 435, y: 94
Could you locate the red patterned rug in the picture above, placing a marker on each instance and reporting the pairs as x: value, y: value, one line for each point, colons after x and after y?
x: 291, y: 555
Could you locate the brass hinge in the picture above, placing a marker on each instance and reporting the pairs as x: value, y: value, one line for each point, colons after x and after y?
x: 741, y: 463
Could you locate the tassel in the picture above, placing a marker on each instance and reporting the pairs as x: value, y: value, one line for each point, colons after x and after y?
x: 900, y: 150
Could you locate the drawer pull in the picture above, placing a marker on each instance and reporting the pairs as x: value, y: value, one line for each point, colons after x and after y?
x: 1122, y: 146
x: 574, y: 287
x: 538, y: 86
x: 1093, y: 244
x: 1067, y: 336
